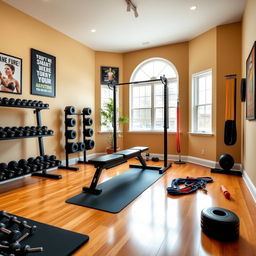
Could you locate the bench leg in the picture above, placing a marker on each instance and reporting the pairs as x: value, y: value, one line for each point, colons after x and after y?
x: 92, y: 189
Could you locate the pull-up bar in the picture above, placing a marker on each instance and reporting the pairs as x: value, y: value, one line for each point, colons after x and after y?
x: 164, y: 80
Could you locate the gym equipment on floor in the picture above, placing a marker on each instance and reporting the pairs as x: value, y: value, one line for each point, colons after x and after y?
x: 15, y: 169
x: 73, y: 147
x: 21, y: 236
x: 220, y: 224
x: 164, y: 81
x: 119, y: 191
x: 190, y: 185
x: 230, y: 134
x: 226, y: 162
x: 117, y: 158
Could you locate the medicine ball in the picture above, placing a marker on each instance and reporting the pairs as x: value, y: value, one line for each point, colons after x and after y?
x: 226, y: 161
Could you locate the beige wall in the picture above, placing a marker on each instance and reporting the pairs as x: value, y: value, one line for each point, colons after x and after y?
x: 113, y: 60
x: 75, y: 80
x: 202, y: 56
x: 249, y: 129
x: 178, y: 55
x: 228, y: 62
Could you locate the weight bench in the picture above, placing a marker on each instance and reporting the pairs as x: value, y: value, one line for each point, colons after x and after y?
x: 107, y: 161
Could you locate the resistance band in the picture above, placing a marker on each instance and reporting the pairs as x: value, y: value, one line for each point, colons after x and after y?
x: 178, y: 128
x: 230, y: 134
x: 191, y: 184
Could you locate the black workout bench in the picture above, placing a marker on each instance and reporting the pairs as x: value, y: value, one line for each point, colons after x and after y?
x: 108, y: 161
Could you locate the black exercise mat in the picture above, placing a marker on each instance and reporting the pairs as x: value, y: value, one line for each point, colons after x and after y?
x: 119, y: 191
x: 55, y: 241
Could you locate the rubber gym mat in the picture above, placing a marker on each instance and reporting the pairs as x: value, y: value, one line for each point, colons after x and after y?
x: 119, y: 191
x: 55, y: 241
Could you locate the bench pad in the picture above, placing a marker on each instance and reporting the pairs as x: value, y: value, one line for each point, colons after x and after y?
x: 128, y: 153
x: 141, y: 149
x: 106, y: 159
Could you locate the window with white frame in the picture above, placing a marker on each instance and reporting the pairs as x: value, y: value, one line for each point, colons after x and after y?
x: 202, y: 102
x: 106, y: 95
x: 147, y: 99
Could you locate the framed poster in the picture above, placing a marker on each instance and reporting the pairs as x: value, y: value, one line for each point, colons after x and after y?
x: 109, y: 75
x: 250, y: 85
x: 10, y: 74
x: 43, y: 74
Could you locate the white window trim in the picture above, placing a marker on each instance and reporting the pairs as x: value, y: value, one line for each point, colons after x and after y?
x: 194, y: 130
x: 176, y: 79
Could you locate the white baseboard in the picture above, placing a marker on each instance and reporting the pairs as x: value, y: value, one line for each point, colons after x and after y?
x: 75, y: 160
x: 249, y: 185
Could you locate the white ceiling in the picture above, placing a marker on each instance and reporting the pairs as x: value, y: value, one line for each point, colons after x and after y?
x: 160, y: 21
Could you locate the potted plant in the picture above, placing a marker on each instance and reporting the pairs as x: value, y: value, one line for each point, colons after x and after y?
x: 107, y: 116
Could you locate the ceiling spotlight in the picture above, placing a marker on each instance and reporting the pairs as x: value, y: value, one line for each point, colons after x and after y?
x: 131, y: 5
x: 193, y: 8
x: 93, y: 30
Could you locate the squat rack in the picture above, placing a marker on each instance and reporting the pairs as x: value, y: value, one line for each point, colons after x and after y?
x: 164, y: 81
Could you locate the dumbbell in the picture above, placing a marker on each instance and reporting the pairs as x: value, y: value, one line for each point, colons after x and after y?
x: 11, y: 101
x: 23, y: 103
x: 87, y: 111
x: 38, y: 163
x: 24, y: 165
x: 88, y: 132
x: 19, y: 133
x: 8, y: 173
x: 81, y: 146
x: 71, y: 147
x: 34, y: 103
x: 32, y: 132
x: 70, y: 134
x: 40, y: 104
x: 70, y: 110
x: 3, y: 134
x: 48, y: 161
x: 18, y: 102
x: 12, y: 234
x: 88, y: 121
x: 46, y: 105
x: 2, y: 176
x: 5, y: 101
x: 22, y: 224
x: 71, y: 122
x: 40, y: 160
x: 27, y: 249
x: 50, y: 132
x: 13, y: 165
x: 29, y: 103
x: 33, y: 167
x: 89, y: 144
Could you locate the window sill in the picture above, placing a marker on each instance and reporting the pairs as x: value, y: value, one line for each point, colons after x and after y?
x: 149, y: 132
x: 201, y: 134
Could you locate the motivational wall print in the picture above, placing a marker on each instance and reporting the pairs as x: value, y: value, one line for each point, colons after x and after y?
x: 10, y: 74
x: 43, y: 74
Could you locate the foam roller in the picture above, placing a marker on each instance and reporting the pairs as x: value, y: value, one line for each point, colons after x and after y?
x: 72, y: 147
x: 88, y: 121
x: 70, y: 110
x: 88, y: 132
x: 81, y: 146
x: 71, y: 122
x: 87, y: 111
x: 89, y: 144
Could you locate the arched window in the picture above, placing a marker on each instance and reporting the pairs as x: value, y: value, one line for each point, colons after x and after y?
x: 146, y: 100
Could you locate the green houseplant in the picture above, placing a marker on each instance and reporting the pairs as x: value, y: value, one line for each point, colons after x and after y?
x: 107, y: 116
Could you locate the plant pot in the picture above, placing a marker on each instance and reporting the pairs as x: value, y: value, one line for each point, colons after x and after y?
x: 110, y: 150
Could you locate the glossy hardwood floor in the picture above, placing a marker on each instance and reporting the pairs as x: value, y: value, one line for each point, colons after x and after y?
x: 153, y: 224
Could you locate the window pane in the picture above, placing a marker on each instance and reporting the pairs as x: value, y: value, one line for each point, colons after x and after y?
x: 204, y: 118
x: 143, y: 106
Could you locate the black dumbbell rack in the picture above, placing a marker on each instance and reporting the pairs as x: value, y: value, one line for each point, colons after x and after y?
x: 84, y: 139
x: 37, y: 109
x: 67, y: 141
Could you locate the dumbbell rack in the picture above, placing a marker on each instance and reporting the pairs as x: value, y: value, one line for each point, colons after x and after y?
x: 66, y: 143
x: 84, y: 139
x: 37, y: 109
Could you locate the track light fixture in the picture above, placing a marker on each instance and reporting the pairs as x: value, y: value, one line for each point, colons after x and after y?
x: 131, y: 5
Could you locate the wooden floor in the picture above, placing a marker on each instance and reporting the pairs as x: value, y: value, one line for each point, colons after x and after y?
x: 153, y: 224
